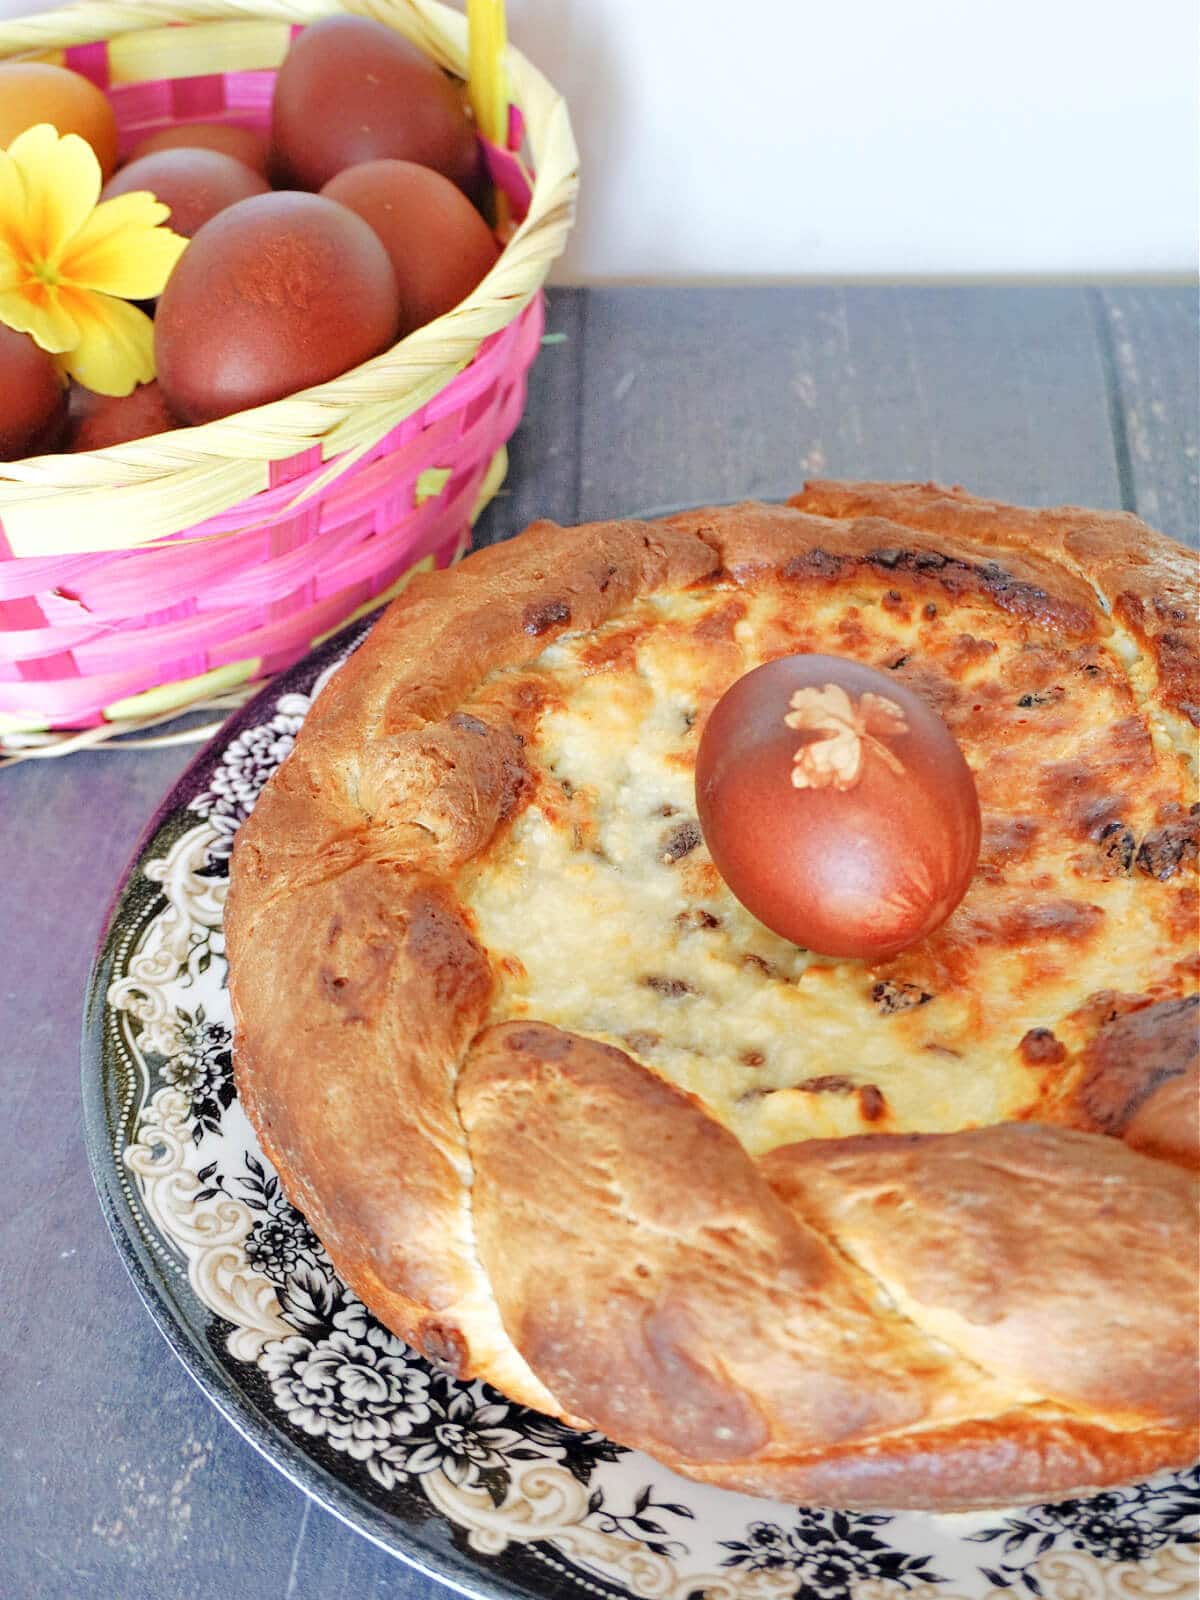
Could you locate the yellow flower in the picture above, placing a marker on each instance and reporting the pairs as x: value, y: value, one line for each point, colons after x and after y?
x: 68, y: 266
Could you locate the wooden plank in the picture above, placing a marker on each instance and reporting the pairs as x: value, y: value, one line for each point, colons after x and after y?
x: 543, y: 453
x: 1150, y: 339
x: 720, y: 393
x: 999, y: 389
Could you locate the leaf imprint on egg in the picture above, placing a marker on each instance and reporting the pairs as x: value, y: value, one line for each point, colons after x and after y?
x: 838, y: 734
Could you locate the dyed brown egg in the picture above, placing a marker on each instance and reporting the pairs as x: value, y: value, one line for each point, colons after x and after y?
x: 196, y: 184
x: 837, y: 806
x: 242, y: 144
x: 439, y: 245
x: 33, y: 92
x: 100, y: 420
x: 273, y: 295
x: 352, y: 90
x: 33, y: 398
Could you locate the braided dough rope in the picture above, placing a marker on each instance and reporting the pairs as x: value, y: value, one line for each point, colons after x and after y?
x: 939, y: 1320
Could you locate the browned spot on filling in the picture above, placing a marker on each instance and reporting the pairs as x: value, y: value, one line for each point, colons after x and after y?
x: 1183, y: 918
x: 832, y: 1083
x: 1106, y: 1005
x: 1040, y: 1048
x: 1078, y: 794
x: 966, y: 651
x: 852, y: 635
x: 612, y: 652
x: 926, y: 678
x: 719, y: 624
x: 1051, y: 919
x: 752, y: 1058
x: 1006, y: 840
x: 1041, y: 697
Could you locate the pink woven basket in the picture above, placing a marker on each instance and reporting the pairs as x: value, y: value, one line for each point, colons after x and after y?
x: 107, y: 636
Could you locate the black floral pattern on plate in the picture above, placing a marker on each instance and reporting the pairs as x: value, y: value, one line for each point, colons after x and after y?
x: 236, y: 782
x: 829, y: 1552
x: 1119, y: 1525
x: 202, y: 1068
x: 345, y: 1378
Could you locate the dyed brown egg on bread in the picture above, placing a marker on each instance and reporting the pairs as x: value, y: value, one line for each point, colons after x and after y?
x: 837, y: 806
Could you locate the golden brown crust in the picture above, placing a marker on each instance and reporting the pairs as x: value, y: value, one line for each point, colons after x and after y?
x: 1140, y: 1079
x: 1147, y: 580
x: 1028, y: 584
x: 1024, y: 1248
x: 420, y: 1177
x: 381, y: 975
x: 995, y: 1461
x: 652, y: 1280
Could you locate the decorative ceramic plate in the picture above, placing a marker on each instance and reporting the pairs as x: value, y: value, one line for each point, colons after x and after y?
x: 492, y: 1498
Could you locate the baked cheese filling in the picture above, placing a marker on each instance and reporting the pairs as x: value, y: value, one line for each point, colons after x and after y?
x: 604, y: 915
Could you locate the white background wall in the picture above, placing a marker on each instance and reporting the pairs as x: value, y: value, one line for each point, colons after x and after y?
x: 882, y: 137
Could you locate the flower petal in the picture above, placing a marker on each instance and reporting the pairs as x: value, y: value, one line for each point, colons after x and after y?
x: 37, y: 310
x: 121, y: 249
x: 11, y: 274
x: 12, y: 204
x: 424, y: 1458
x: 61, y: 177
x: 116, y: 345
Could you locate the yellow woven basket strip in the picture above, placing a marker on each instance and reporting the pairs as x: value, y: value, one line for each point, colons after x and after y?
x: 173, y: 53
x: 150, y: 489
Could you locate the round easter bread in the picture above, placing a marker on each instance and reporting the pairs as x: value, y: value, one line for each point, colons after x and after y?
x: 912, y: 1233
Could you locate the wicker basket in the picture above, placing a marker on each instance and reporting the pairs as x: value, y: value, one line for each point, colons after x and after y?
x: 146, y: 578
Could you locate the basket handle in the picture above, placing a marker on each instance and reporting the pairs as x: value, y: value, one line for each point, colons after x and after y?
x: 487, y: 35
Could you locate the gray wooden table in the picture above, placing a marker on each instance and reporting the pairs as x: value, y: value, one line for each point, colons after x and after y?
x: 116, y: 1476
